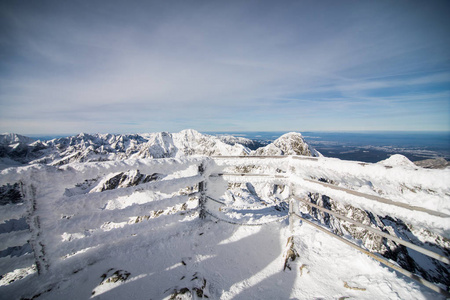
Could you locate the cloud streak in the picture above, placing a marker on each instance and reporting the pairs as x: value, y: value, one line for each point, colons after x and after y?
x: 111, y: 66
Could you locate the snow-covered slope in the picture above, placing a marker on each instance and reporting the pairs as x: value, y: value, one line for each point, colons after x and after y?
x: 288, y: 144
x: 251, y: 144
x: 398, y: 160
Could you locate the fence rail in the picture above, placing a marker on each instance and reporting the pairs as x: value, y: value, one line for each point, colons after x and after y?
x: 378, y: 232
x: 387, y: 263
x: 379, y: 199
x: 288, y: 179
x: 54, y: 223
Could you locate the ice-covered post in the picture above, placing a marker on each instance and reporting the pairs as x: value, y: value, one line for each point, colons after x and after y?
x: 202, y: 191
x: 291, y: 215
x: 292, y: 202
x: 292, y: 206
x: 29, y: 195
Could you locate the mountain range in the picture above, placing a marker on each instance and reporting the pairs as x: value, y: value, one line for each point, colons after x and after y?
x: 18, y: 149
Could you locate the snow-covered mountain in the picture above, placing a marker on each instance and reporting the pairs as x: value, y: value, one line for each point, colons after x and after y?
x: 288, y: 144
x: 12, y: 139
x: 14, y: 148
x: 106, y: 147
x: 233, y: 140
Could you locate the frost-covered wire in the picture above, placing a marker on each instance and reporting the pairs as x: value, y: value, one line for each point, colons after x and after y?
x: 220, y: 202
x: 233, y: 207
x: 246, y: 224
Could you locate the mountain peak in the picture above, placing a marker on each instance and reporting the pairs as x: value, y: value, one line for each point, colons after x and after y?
x: 190, y: 132
x: 13, y: 138
x: 291, y: 143
x: 397, y: 160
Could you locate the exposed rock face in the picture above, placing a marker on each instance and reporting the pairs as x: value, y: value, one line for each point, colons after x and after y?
x: 433, y: 163
x: 288, y: 144
x: 10, y: 194
x: 124, y: 180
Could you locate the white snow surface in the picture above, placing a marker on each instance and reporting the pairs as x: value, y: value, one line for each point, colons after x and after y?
x: 232, y: 140
x: 147, y: 242
x: 398, y: 160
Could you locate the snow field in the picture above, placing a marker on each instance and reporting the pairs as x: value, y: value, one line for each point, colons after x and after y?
x: 236, y: 263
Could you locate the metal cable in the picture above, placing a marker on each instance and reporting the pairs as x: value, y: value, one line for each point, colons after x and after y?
x: 246, y: 224
x: 235, y: 207
x: 220, y: 202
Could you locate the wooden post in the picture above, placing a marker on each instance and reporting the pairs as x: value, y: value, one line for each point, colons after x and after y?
x: 291, y: 215
x: 202, y: 191
x: 29, y: 194
x: 292, y: 205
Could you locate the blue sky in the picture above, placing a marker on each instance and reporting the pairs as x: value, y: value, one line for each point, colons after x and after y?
x: 147, y: 66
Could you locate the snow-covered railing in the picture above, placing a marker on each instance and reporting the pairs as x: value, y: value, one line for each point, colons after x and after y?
x: 286, y: 174
x: 379, y: 258
x: 69, y: 224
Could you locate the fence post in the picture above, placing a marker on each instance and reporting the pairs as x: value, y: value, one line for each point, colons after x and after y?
x: 29, y: 194
x: 291, y: 215
x: 202, y: 191
x: 291, y: 207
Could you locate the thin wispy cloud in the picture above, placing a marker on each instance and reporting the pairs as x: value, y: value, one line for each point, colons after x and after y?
x: 113, y: 66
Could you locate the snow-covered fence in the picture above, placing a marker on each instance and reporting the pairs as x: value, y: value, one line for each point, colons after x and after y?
x: 70, y: 215
x: 379, y: 258
x: 305, y: 173
x: 402, y: 189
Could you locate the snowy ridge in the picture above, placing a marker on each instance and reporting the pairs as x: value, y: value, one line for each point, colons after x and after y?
x: 251, y: 144
x: 110, y: 147
x: 14, y: 139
